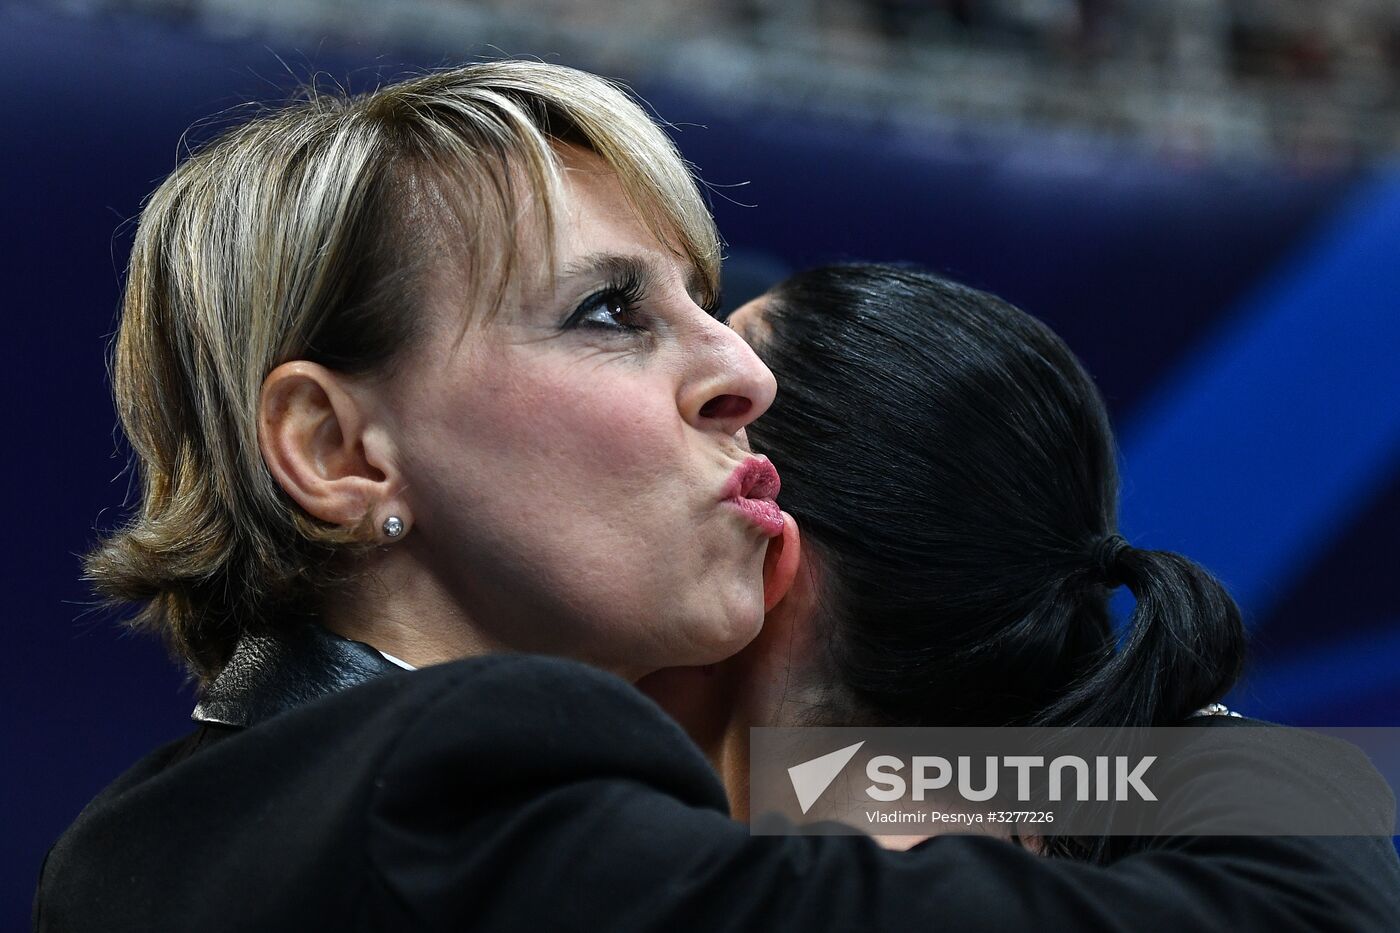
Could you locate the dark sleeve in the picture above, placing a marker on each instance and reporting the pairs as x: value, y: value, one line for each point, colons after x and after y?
x: 542, y: 795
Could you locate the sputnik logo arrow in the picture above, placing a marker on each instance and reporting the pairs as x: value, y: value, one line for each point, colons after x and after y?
x: 811, y: 778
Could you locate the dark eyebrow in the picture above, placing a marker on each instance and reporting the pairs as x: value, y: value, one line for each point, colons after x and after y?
x: 608, y: 266
x: 619, y: 266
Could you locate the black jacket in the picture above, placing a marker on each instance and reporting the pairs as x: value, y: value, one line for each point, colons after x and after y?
x: 326, y: 789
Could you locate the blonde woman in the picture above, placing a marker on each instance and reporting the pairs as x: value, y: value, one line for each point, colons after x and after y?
x: 427, y: 379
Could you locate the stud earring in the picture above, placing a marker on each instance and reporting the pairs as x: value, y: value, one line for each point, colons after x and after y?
x: 393, y: 526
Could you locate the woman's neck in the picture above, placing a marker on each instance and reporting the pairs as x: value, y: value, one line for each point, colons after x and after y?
x: 395, y: 607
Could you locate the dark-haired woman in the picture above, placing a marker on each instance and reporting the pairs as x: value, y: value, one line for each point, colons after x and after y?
x: 952, y: 469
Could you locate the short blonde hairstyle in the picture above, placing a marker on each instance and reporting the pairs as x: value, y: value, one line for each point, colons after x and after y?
x: 300, y: 235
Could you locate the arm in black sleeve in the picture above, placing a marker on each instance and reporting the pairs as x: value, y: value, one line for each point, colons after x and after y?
x: 539, y: 794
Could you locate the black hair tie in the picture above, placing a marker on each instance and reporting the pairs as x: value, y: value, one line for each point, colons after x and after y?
x: 1105, y: 558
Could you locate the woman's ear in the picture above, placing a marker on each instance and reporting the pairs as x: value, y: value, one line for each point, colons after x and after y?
x: 780, y: 563
x: 322, y: 448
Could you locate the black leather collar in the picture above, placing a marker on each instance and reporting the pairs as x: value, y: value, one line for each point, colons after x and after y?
x: 270, y: 674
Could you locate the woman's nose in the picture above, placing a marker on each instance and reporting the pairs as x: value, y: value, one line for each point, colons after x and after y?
x: 728, y: 385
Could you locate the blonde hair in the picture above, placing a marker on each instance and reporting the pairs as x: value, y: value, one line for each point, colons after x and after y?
x: 299, y: 235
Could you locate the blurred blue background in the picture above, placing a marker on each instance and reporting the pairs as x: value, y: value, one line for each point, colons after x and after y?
x: 1216, y: 232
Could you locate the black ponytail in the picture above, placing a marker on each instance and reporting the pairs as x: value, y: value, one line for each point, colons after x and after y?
x: 952, y: 467
x: 1183, y: 649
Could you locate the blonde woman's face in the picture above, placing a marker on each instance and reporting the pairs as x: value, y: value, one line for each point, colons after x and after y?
x: 576, y: 467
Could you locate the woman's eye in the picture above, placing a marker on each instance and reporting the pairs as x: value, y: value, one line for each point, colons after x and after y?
x: 606, y: 311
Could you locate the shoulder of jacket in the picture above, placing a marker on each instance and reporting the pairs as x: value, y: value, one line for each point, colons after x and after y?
x: 537, y: 693
x: 509, y: 720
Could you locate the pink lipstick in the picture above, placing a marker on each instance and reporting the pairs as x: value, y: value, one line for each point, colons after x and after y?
x: 752, y: 489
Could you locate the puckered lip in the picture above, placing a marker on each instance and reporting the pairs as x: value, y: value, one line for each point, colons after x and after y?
x: 752, y: 491
x: 755, y: 478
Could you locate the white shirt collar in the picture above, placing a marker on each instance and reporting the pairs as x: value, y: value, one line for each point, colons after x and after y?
x: 401, y: 663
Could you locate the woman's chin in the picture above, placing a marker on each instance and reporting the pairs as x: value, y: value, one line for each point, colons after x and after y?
x: 739, y: 628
